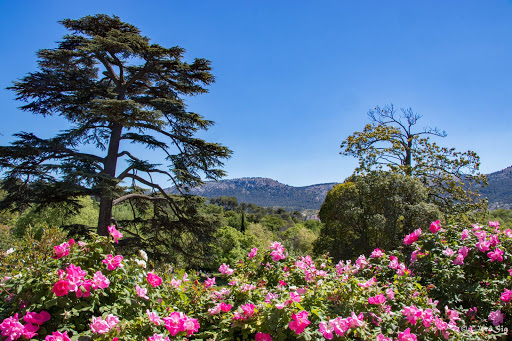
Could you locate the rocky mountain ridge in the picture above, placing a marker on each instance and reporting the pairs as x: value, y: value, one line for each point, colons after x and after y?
x: 271, y: 193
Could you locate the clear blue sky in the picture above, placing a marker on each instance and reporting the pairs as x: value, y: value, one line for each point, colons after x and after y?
x: 294, y: 78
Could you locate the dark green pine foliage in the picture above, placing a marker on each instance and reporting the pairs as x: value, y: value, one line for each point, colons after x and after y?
x: 115, y: 88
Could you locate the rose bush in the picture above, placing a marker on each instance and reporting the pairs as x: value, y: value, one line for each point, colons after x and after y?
x: 88, y: 291
x: 469, y: 268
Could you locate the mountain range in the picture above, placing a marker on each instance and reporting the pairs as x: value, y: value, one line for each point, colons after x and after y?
x: 266, y: 192
x: 499, y: 191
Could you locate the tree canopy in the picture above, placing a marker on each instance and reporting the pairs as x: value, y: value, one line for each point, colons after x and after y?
x: 373, y: 210
x: 115, y: 89
x: 392, y: 142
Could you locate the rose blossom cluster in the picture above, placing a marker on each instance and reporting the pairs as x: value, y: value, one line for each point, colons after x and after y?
x: 484, y: 244
x: 102, y: 326
x: 248, y: 310
x: 225, y: 269
x: 341, y: 325
x: 179, y: 322
x: 220, y: 307
x: 12, y: 328
x: 308, y: 266
x: 429, y: 320
x: 73, y: 280
x: 278, y: 251
x: 396, y: 265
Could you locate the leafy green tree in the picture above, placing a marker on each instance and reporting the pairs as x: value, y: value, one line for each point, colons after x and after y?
x: 296, y: 216
x: 273, y: 223
x: 255, y: 212
x: 313, y: 225
x: 228, y: 203
x: 231, y: 246
x: 115, y: 89
x: 299, y: 239
x: 55, y: 216
x: 233, y: 219
x: 392, y: 142
x: 371, y: 211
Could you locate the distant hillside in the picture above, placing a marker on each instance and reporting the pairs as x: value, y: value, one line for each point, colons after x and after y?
x: 499, y: 191
x: 270, y: 193
x: 265, y: 192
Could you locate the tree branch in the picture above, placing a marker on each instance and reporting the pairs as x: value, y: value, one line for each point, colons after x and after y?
x: 108, y: 66
x: 155, y: 186
x: 137, y: 196
x: 147, y: 67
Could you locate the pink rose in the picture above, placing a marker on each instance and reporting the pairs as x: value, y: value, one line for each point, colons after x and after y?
x: 58, y: 336
x: 36, y: 318
x: 381, y: 337
x: 141, y: 292
x: 496, y: 317
x: 61, y: 288
x: 299, y: 322
x: 153, y: 279
x: 377, y: 253
x: 115, y: 233
x: 412, y: 237
x: 209, y: 282
x: 153, y: 317
x: 12, y: 327
x: 506, y: 296
x: 158, y: 337
x: 253, y: 253
x: 262, y: 337
x: 496, y: 255
x: 225, y: 307
x: 100, y: 281
x: 225, y: 269
x: 61, y: 250
x: 379, y: 299
x: 113, y: 262
x: 435, y: 226
x: 99, y: 325
x: 29, y: 331
x: 326, y: 329
x: 406, y: 335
